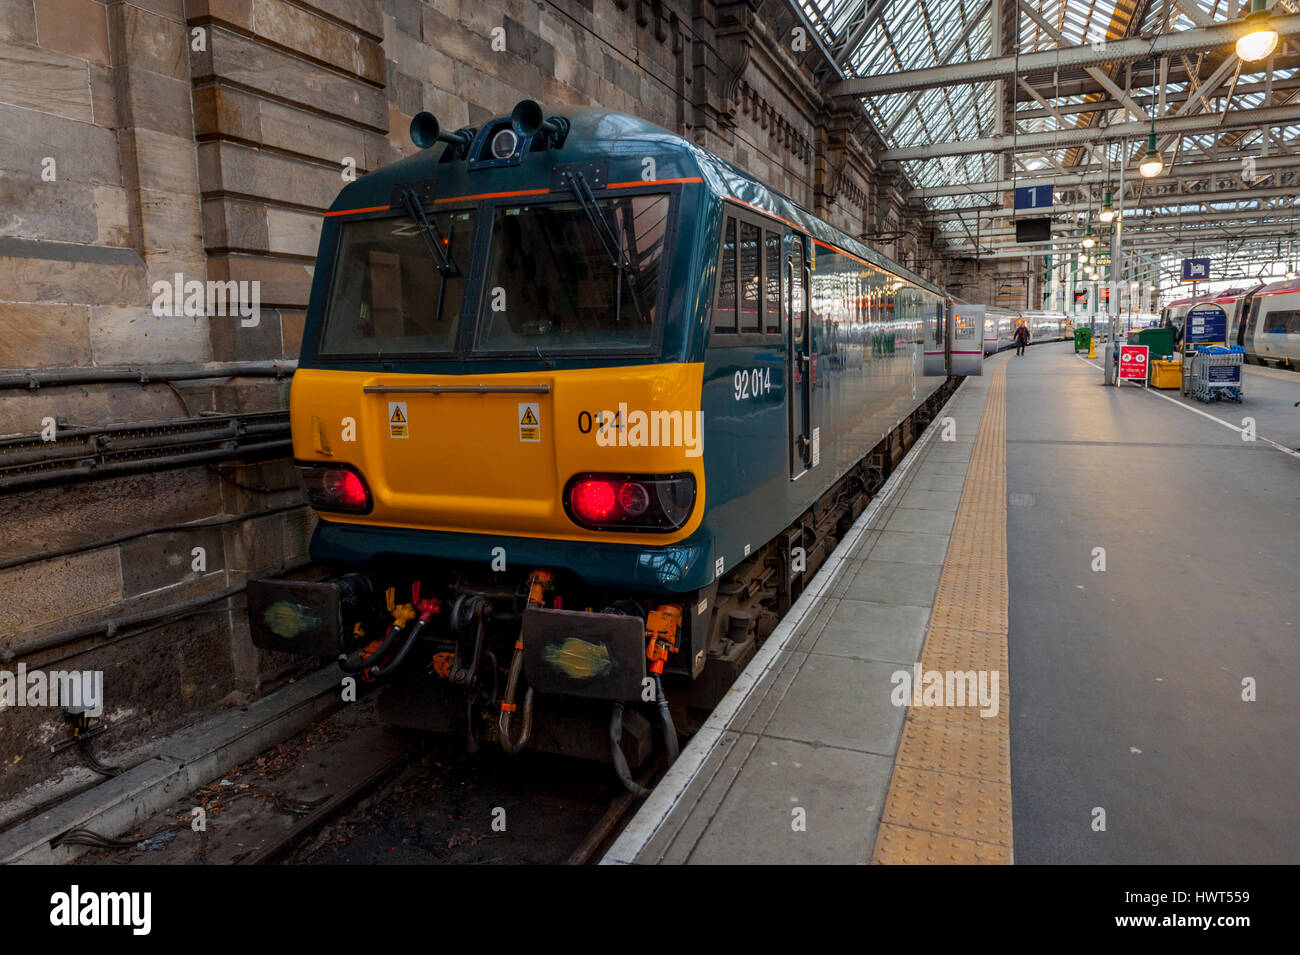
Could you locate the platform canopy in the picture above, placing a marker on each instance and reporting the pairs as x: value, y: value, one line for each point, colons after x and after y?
x: 973, y: 99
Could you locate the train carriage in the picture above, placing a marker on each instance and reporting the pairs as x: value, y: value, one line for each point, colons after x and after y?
x: 999, y: 328
x: 559, y: 378
x: 1264, y: 320
x: 1174, y: 314
x: 1268, y: 324
x: 1048, y: 326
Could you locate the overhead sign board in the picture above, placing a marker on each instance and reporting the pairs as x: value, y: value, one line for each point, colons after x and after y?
x: 1206, y: 324
x: 1033, y: 230
x: 1034, y: 198
x: 1133, y: 362
x: 1196, y: 270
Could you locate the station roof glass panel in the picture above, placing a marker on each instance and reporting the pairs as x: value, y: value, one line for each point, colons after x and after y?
x: 867, y: 38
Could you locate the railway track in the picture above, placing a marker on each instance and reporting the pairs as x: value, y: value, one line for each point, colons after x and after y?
x: 301, y: 843
x: 348, y: 790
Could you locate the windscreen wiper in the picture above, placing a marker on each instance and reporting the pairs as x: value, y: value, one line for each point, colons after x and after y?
x: 433, y: 241
x: 428, y: 230
x: 609, y: 238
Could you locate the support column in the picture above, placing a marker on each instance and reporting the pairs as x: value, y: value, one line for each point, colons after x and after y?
x: 1116, y: 272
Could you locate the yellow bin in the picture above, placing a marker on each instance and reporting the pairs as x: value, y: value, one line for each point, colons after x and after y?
x: 1166, y: 374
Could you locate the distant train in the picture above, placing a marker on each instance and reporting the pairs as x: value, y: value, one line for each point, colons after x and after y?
x: 1000, y: 327
x: 1175, y: 313
x: 1048, y: 326
x: 1263, y: 319
x: 1270, y: 328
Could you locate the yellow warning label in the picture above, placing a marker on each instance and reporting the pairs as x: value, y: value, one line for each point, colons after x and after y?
x: 530, y: 421
x: 397, y: 422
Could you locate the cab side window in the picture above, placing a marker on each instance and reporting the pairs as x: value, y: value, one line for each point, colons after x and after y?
x: 750, y: 277
x: 772, y: 281
x: 724, y: 313
x: 750, y: 305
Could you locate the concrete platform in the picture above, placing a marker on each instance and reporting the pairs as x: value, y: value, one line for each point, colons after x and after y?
x: 795, y: 764
x: 1129, y: 682
x: 1131, y: 735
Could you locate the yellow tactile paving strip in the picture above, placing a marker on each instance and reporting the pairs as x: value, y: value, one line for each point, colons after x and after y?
x: 1280, y: 375
x: 950, y: 796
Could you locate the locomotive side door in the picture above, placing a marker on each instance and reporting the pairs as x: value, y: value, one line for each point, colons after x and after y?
x: 798, y: 353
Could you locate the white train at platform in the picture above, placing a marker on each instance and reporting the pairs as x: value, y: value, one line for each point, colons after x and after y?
x: 1000, y: 327
x: 1263, y: 319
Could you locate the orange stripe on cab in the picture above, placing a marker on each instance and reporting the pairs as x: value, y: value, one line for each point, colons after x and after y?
x: 652, y: 182
x: 493, y: 195
x: 356, y: 212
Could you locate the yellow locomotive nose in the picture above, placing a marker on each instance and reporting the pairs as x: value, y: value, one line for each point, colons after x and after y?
x: 496, y: 453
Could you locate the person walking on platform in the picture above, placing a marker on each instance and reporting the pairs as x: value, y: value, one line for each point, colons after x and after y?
x: 1021, y: 338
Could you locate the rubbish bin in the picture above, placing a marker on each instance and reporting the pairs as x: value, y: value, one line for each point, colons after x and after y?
x: 1082, y: 338
x: 1166, y: 374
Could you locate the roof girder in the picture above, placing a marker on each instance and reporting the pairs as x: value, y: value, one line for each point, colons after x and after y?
x: 1084, y: 55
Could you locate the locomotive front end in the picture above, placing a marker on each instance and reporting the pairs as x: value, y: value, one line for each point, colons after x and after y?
x: 498, y: 427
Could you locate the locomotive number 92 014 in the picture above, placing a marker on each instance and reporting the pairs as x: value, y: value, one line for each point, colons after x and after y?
x: 750, y: 383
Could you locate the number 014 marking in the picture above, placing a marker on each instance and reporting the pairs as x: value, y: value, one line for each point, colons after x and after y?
x: 751, y: 383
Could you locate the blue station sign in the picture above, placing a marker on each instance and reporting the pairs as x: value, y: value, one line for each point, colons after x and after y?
x: 1206, y: 324
x: 1033, y: 198
x: 1196, y: 270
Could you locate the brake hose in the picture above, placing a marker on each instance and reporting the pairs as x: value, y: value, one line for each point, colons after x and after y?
x: 381, y: 670
x: 356, y: 662
x: 670, y: 731
x: 616, y: 753
x: 508, y: 705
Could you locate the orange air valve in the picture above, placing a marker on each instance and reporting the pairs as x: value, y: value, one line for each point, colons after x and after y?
x: 661, y: 628
x: 442, y: 664
x: 371, y: 649
x: 538, y: 583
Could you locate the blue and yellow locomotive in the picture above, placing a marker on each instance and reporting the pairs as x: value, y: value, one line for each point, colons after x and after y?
x: 580, y: 406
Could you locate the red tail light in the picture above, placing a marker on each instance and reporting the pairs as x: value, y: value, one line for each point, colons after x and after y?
x: 633, y: 498
x: 630, y: 502
x: 335, y: 487
x: 593, y: 501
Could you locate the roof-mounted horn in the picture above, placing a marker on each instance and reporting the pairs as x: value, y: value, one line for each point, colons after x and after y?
x: 425, y: 131
x: 527, y: 119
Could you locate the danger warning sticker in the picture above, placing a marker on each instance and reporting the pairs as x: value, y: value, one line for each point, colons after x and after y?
x: 530, y: 421
x: 398, y: 426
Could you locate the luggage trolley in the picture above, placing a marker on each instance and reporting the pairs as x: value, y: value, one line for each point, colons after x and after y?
x: 1217, y: 373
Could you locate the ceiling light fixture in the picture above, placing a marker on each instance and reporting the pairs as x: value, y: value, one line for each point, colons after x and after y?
x: 1152, y: 163
x: 1108, y: 210
x: 1260, y: 39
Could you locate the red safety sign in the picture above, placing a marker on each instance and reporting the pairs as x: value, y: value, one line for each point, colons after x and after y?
x: 1133, y: 362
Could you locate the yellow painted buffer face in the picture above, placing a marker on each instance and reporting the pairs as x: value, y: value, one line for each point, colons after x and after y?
x: 491, y: 454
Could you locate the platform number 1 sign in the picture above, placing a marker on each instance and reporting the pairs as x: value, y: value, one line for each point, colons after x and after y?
x: 1029, y: 198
